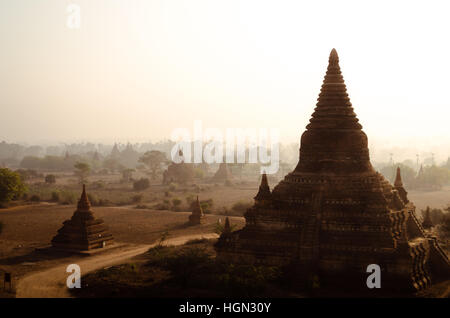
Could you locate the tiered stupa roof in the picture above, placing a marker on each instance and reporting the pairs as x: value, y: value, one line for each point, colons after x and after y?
x: 83, y: 231
x: 264, y: 190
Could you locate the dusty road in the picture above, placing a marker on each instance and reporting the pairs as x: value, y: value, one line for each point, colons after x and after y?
x: 51, y: 283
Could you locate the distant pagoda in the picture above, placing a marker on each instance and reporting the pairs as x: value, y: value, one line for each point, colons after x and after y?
x: 83, y: 231
x: 398, y: 185
x: 197, y: 215
x: 334, y: 214
x: 222, y: 174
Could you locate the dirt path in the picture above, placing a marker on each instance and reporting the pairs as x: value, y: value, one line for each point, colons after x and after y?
x: 51, y: 283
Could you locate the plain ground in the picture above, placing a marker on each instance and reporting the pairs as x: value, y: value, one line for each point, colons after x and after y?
x: 33, y: 226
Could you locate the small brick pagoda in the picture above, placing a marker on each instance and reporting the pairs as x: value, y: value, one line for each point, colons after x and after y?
x: 197, y: 216
x: 83, y: 231
x: 333, y: 215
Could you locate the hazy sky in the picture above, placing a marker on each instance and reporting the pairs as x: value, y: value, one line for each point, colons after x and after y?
x: 136, y: 70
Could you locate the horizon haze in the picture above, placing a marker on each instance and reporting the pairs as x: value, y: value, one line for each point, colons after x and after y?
x: 135, y: 71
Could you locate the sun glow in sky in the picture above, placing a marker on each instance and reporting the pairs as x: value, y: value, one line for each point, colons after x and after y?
x: 136, y: 70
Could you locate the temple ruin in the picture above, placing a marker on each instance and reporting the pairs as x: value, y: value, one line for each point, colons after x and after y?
x: 334, y: 215
x: 83, y: 231
x: 223, y: 174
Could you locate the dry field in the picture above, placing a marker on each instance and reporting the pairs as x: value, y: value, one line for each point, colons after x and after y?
x: 117, y: 193
x: 434, y: 199
x: 29, y: 227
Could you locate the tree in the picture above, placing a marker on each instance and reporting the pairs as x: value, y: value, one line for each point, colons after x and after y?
x: 154, y: 160
x: 83, y: 170
x: 436, y: 176
x: 437, y: 216
x: 127, y: 175
x: 111, y: 164
x: 30, y: 162
x: 11, y: 186
x: 444, y: 227
x: 141, y: 184
x: 50, y: 179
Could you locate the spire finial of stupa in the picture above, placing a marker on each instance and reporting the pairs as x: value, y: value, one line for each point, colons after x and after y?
x: 334, y: 57
x: 264, y: 189
x: 227, y: 227
x: 398, y: 179
x: 334, y: 75
x: 83, y: 203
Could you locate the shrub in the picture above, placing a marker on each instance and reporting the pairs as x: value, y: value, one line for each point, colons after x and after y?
x: 183, y: 264
x: 55, y: 196
x: 104, y: 202
x: 99, y: 184
x: 173, y: 187
x: 50, y: 179
x: 11, y: 186
x: 93, y: 199
x: 142, y: 206
x: 207, y: 205
x: 68, y: 197
x: 239, y: 208
x: 189, y: 199
x: 137, y: 198
x: 176, y: 202
x: 224, y: 211
x: 444, y: 227
x: 246, y: 280
x: 141, y: 184
x: 165, y: 205
x: 199, y: 173
x: 103, y: 171
x: 35, y: 198
x: 26, y: 174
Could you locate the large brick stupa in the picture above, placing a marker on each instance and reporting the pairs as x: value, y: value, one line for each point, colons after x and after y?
x: 334, y: 215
